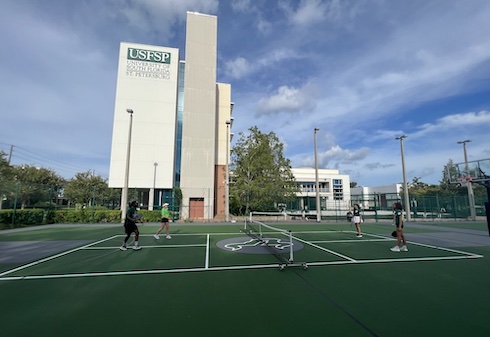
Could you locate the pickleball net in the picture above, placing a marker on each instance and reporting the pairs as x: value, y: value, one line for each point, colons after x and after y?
x: 277, y: 241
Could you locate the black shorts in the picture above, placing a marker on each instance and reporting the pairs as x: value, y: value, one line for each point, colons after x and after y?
x: 130, y: 228
x: 164, y: 220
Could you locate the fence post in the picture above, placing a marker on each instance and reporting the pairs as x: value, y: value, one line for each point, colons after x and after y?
x: 15, y: 202
x: 454, y: 206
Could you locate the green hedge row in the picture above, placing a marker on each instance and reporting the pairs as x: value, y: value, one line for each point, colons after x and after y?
x: 32, y: 217
x: 21, y: 218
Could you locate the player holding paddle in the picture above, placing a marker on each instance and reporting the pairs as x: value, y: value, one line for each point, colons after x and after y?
x: 165, y: 222
x: 398, y: 222
x: 357, y: 219
x: 130, y: 226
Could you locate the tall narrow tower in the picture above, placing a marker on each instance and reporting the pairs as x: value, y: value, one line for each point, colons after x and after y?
x: 199, y: 119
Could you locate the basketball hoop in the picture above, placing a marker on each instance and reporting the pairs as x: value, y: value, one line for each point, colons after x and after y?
x: 465, y: 180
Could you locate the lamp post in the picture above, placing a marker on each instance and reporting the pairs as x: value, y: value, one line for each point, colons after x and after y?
x: 471, y: 196
x: 124, y: 196
x: 405, y: 186
x: 151, y: 197
x: 318, y: 210
x: 227, y: 182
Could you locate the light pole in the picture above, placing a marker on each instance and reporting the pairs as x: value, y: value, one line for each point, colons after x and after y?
x: 124, y: 196
x: 405, y: 186
x: 318, y: 210
x: 151, y: 197
x: 227, y: 182
x: 471, y: 196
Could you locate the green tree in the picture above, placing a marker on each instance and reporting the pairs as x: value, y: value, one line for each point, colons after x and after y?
x: 261, y: 176
x: 86, y: 186
x: 6, y: 178
x: 36, y: 186
x: 112, y: 199
x: 447, y: 185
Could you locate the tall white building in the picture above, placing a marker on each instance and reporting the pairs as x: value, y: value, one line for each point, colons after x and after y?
x: 179, y: 133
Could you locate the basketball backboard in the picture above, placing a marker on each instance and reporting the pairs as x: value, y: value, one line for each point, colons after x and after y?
x: 474, y: 171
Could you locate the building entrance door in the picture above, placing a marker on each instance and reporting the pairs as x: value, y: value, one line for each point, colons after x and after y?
x: 196, y: 208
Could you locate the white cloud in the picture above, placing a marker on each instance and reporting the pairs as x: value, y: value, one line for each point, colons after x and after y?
x: 286, y: 100
x: 339, y: 155
x: 307, y: 13
x: 242, y: 67
x: 161, y: 15
x: 454, y: 122
x: 238, y: 68
x: 242, y: 6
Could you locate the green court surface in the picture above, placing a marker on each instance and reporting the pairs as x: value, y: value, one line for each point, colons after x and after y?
x: 213, y: 280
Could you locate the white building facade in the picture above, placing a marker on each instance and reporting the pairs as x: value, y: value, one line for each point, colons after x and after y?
x: 376, y: 197
x: 334, y: 190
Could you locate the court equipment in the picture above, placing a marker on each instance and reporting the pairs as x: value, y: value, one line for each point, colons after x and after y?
x: 468, y: 173
x: 475, y: 171
x: 138, y: 216
x: 393, y: 234
x: 269, y: 216
x: 277, y: 241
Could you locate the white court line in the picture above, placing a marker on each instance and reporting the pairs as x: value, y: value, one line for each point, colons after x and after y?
x: 206, y: 263
x: 409, y: 259
x: 147, y: 246
x: 445, y: 249
x: 244, y: 267
x: 352, y: 240
x: 347, y: 260
x: 384, y: 238
x: 324, y: 249
x: 182, y: 234
x: 431, y: 246
x: 54, y: 257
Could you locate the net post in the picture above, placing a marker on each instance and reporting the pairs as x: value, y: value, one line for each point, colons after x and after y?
x: 291, y: 258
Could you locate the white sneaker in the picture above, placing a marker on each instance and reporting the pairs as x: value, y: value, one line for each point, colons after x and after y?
x: 123, y: 248
x: 156, y: 236
x: 168, y: 237
x: 359, y: 235
x: 136, y: 247
x: 395, y: 249
x: 403, y: 249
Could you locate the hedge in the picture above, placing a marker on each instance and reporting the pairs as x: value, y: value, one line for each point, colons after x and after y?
x: 31, y: 217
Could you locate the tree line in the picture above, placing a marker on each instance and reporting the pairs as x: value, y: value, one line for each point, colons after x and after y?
x: 33, y: 186
x: 260, y: 180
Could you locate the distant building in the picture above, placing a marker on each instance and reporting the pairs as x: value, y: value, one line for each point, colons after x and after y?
x: 334, y: 190
x: 376, y: 196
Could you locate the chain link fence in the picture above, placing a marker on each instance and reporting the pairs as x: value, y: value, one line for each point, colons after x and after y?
x: 32, y: 204
x: 434, y: 207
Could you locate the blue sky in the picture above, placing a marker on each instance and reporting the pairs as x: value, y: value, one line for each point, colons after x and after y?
x: 362, y: 71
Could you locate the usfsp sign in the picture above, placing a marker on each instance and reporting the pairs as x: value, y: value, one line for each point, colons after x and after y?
x: 148, y: 55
